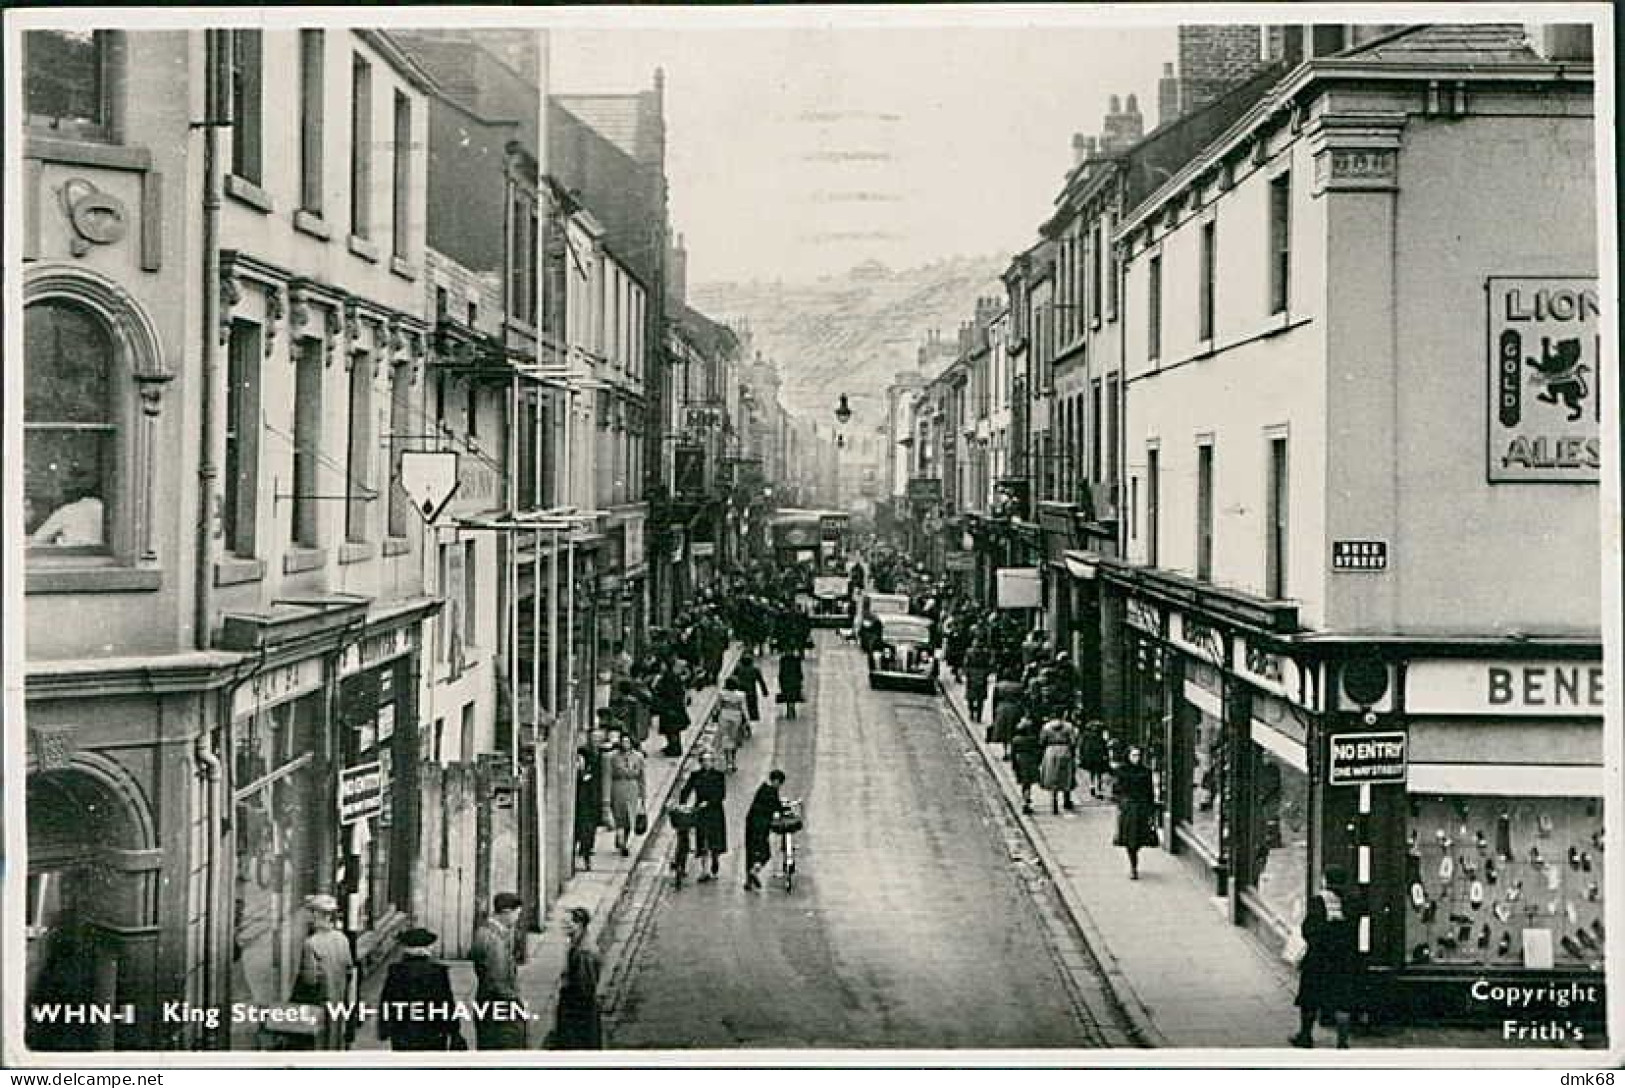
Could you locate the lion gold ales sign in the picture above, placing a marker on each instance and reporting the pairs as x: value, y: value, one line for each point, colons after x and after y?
x: 1545, y: 406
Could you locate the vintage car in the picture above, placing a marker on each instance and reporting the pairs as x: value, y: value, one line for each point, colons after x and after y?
x: 904, y: 657
x: 872, y: 607
x: 831, y: 606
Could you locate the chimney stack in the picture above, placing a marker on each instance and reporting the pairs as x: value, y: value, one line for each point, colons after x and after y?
x: 1080, y: 147
x: 1167, y: 96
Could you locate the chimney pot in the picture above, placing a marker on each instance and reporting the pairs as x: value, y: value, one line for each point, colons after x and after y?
x: 1133, y: 104
x: 1117, y: 104
x: 1167, y: 69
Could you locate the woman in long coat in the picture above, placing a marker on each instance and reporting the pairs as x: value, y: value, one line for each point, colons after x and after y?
x: 1094, y: 756
x: 1008, y: 707
x: 1058, y: 770
x: 1026, y: 759
x: 671, y: 703
x: 626, y: 790
x: 978, y: 666
x: 1136, y: 809
x: 709, y: 788
x: 577, y: 1024
x: 1329, y: 973
x: 325, y: 967
x: 589, y: 799
x: 790, y: 681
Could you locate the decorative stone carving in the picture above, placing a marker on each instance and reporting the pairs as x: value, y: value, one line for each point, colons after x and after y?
x: 299, y: 306
x: 97, y: 218
x: 274, y: 311
x: 230, y: 295
x: 335, y: 329
x: 1356, y: 152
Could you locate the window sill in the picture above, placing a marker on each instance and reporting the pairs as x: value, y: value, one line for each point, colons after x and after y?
x: 356, y: 551
x: 300, y: 560
x: 236, y: 571
x: 68, y: 579
x: 397, y: 545
x: 311, y: 223
x: 403, y: 268
x: 363, y: 248
x: 249, y: 193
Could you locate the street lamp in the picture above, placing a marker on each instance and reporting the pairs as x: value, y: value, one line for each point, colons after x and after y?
x: 843, y: 411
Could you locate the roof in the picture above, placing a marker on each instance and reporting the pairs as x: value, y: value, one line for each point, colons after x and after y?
x: 1451, y: 43
x: 615, y: 117
x: 713, y: 339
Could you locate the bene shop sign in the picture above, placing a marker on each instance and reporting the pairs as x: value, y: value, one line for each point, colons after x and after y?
x: 1545, y: 405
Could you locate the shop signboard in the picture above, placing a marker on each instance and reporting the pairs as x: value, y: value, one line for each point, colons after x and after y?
x: 1544, y: 366
x: 1361, y: 759
x: 276, y: 686
x: 633, y: 548
x: 376, y: 649
x: 1018, y: 587
x: 961, y: 560
x: 1144, y: 615
x: 361, y: 792
x: 1539, y: 689
x: 1198, y: 637
x: 925, y: 490
x: 704, y: 549
x: 1264, y: 668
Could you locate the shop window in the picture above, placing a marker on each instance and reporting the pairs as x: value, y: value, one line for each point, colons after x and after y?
x: 65, y: 81
x: 73, y: 423
x: 1279, y: 833
x: 1505, y: 881
x: 1205, y: 756
x: 247, y: 140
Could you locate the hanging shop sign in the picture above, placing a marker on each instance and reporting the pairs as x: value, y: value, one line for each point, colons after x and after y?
x: 1018, y: 587
x: 1359, y: 759
x: 1359, y: 555
x: 925, y: 490
x: 960, y: 561
x: 361, y: 792
x: 430, y: 478
x: 1544, y: 366
x: 1552, y: 689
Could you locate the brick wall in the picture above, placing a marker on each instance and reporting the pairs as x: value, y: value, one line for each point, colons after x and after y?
x: 1213, y: 58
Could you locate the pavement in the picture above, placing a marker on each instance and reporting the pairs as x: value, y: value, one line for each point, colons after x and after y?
x: 600, y: 889
x: 1182, y: 972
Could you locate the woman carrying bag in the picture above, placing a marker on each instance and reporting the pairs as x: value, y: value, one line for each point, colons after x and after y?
x: 1136, y: 809
x: 626, y: 790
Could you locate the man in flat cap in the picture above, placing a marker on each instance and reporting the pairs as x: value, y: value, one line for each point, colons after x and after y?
x: 496, y: 955
x: 417, y: 1009
x: 325, y: 969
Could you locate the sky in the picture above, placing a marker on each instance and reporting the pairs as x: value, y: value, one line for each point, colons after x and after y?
x: 799, y: 152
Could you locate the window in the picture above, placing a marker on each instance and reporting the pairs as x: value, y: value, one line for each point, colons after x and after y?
x: 465, y: 734
x: 400, y: 420
x: 472, y: 409
x: 358, y: 461
x: 1095, y: 409
x: 1153, y: 460
x: 65, y: 81
x: 473, y: 314
x: 307, y: 437
x: 1280, y: 242
x: 1096, y: 263
x: 311, y: 115
x: 522, y: 258
x: 247, y: 144
x: 470, y: 593
x: 1275, y: 515
x: 1134, y: 506
x: 72, y: 429
x: 442, y: 304
x: 1204, y: 319
x: 1153, y: 308
x: 361, y: 148
x: 1204, y: 512
x: 1110, y: 477
x: 242, y: 438
x: 401, y: 232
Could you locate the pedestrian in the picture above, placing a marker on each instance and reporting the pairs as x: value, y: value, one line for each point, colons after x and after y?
x: 1058, y: 772
x: 731, y: 724
x: 326, y: 971
x: 626, y: 793
x: 671, y: 704
x: 577, y: 1024
x: 759, y: 827
x: 978, y: 667
x: 417, y: 977
x: 1026, y: 759
x: 1093, y: 757
x: 752, y: 683
x: 1136, y: 809
x: 1009, y: 705
x: 1329, y: 973
x: 589, y: 798
x: 496, y: 951
x: 709, y: 788
x: 790, y: 681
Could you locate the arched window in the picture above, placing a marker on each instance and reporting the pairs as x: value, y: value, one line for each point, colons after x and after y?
x: 72, y: 428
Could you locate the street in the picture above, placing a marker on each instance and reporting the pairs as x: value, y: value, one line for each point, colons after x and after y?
x: 908, y: 926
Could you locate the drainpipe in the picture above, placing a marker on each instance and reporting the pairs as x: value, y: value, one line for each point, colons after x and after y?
x: 217, y: 114
x: 210, y: 768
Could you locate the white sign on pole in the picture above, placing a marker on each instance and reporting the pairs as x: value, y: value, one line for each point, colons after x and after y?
x: 430, y: 479
x: 1018, y: 587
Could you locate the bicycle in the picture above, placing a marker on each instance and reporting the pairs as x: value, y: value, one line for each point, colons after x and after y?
x: 785, y: 825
